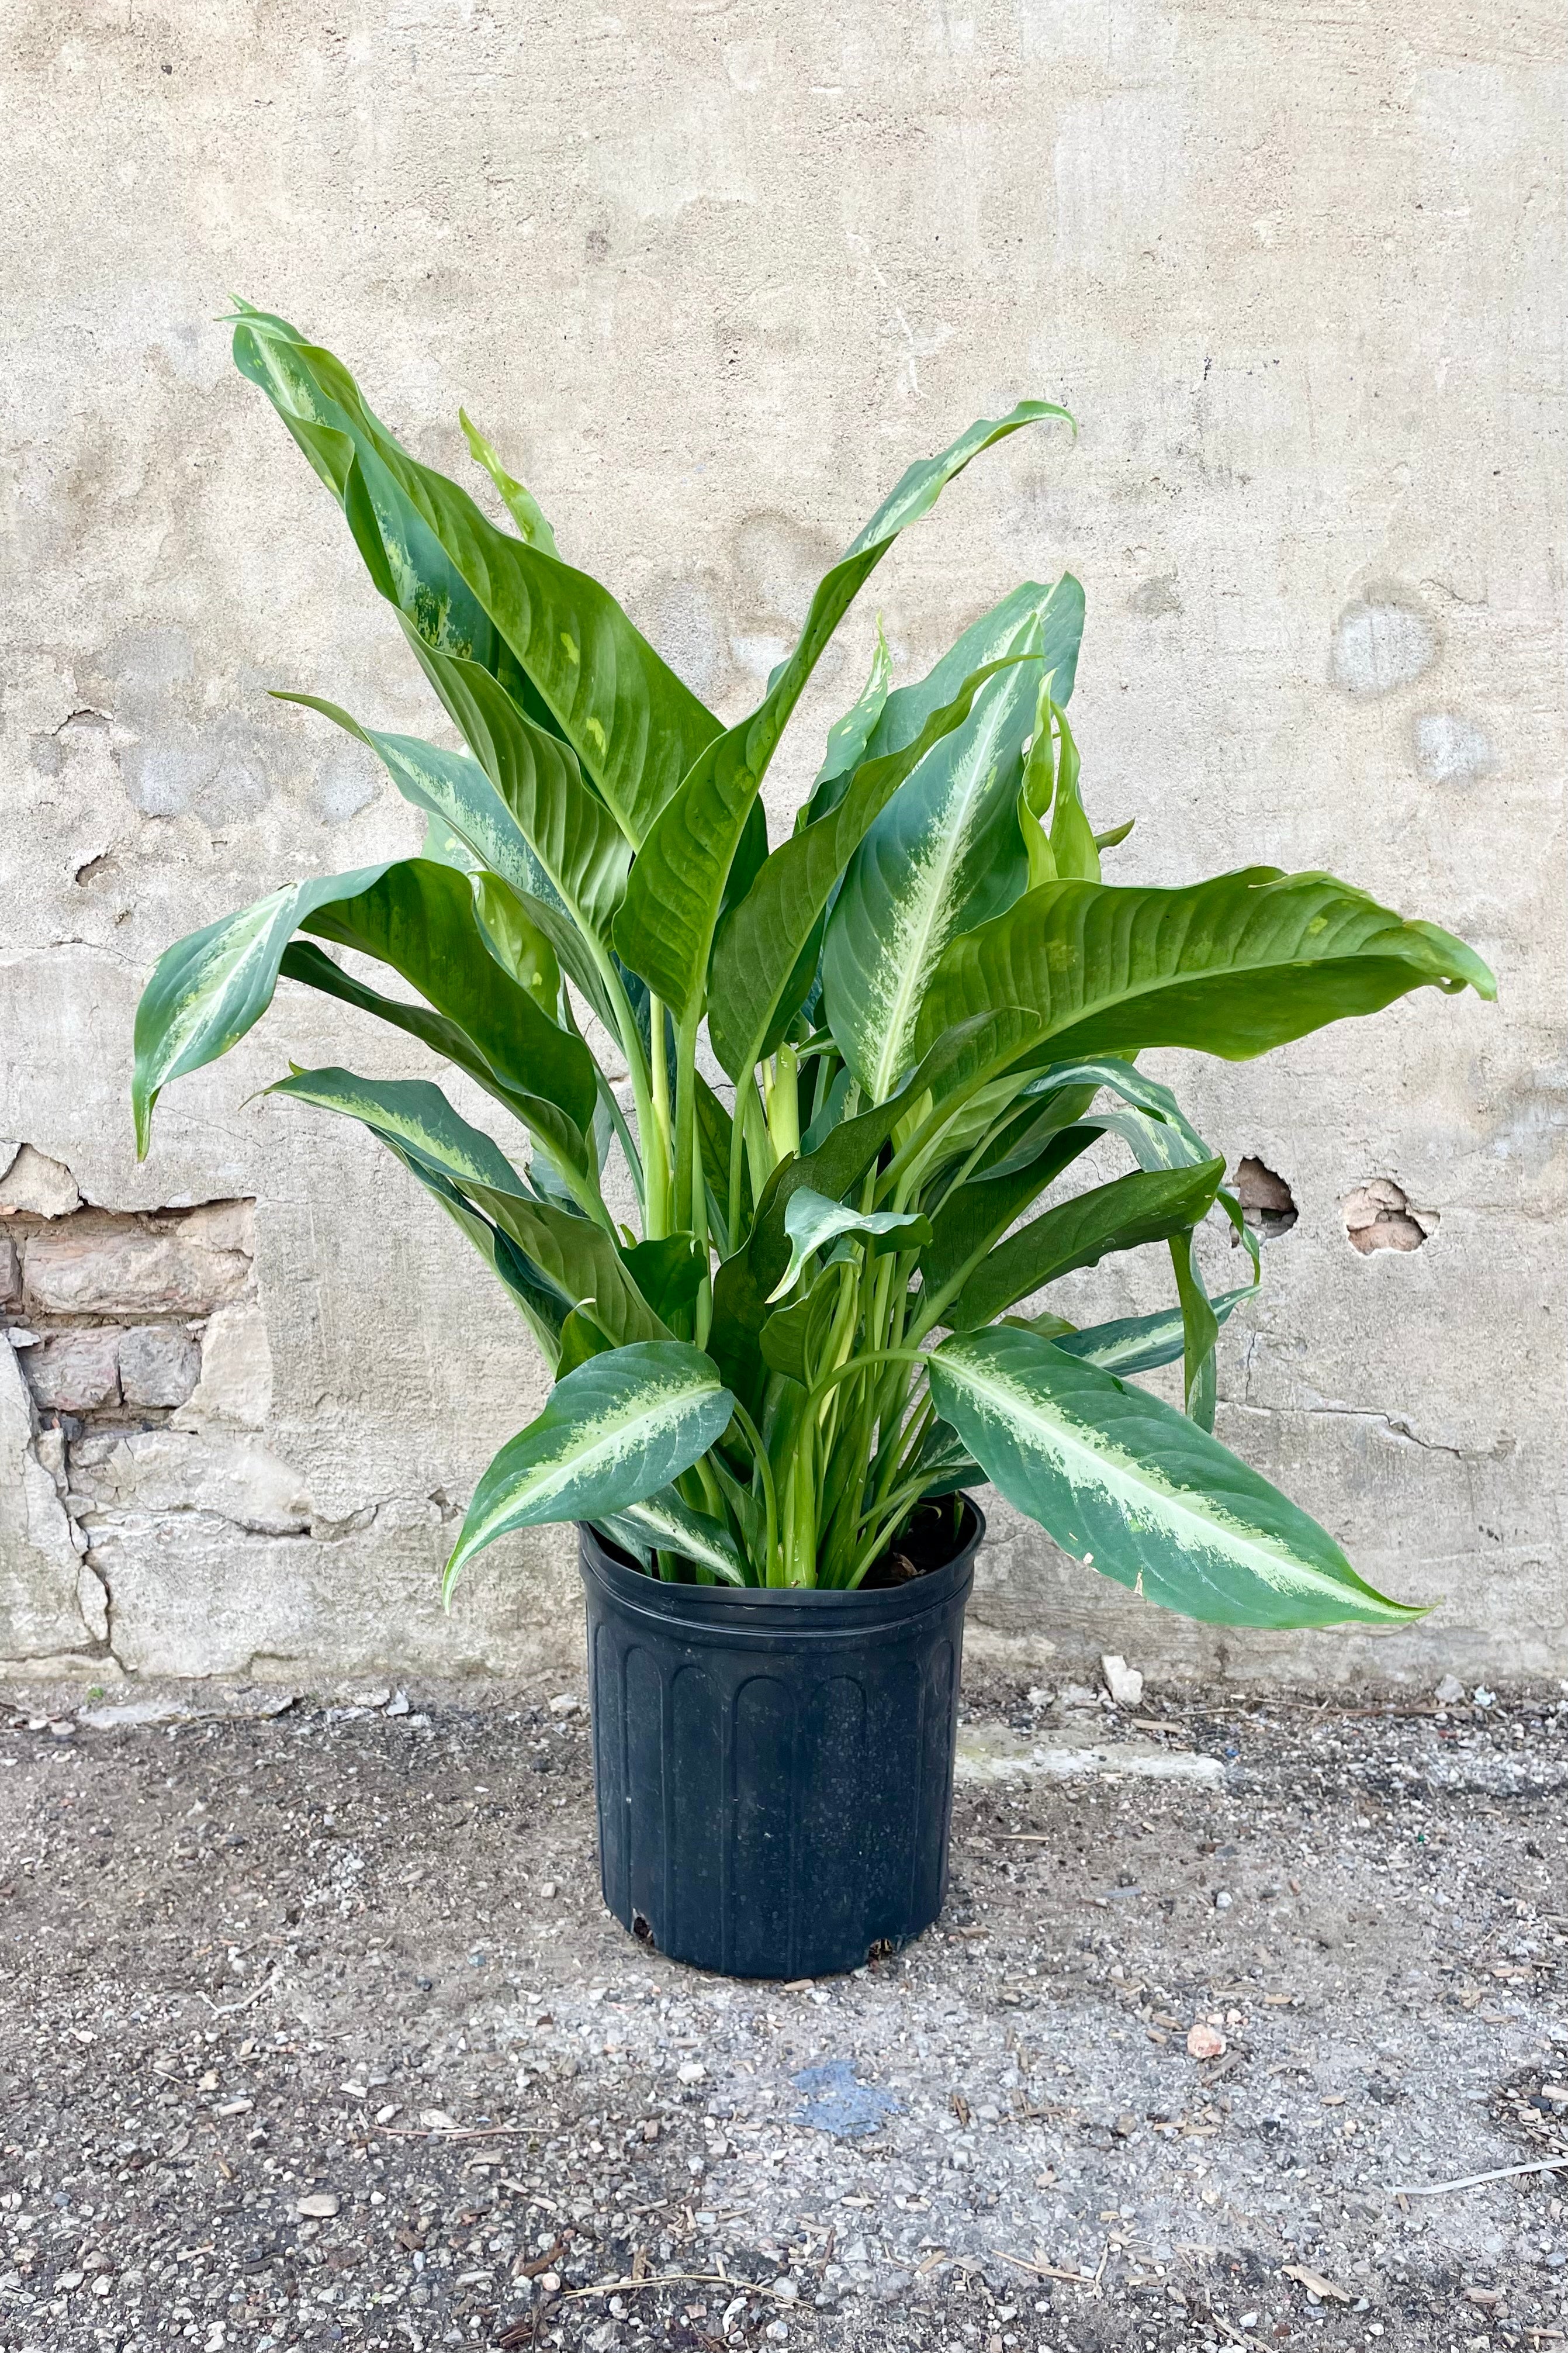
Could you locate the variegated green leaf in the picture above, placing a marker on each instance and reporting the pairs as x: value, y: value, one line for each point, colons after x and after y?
x: 579, y: 1257
x: 524, y: 789
x: 945, y: 855
x: 445, y: 1154
x: 1141, y: 1344
x: 207, y: 990
x: 521, y: 505
x: 1230, y: 967
x: 615, y: 1430
x: 472, y: 590
x: 757, y: 956
x: 568, y: 829
x: 552, y: 1128
x: 1135, y: 1489
x: 665, y: 929
x: 1058, y: 609
x: 662, y: 1523
x: 811, y: 1221
x: 413, y: 1114
x: 847, y: 737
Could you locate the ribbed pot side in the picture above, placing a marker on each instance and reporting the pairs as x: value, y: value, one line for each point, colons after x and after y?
x: 773, y: 1769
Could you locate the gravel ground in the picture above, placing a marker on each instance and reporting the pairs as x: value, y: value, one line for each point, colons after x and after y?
x: 313, y: 2032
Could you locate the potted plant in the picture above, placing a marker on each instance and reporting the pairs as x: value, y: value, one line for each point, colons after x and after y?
x: 855, y: 1063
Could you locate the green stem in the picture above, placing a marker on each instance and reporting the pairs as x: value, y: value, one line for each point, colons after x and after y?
x: 887, y: 1521
x: 655, y: 1198
x: 745, y: 1085
x: 687, y: 1161
x: 856, y: 1364
x: 627, y: 1142
x: 770, y: 1493
x: 658, y: 1154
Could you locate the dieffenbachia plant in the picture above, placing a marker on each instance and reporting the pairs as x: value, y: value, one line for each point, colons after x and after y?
x: 839, y: 1075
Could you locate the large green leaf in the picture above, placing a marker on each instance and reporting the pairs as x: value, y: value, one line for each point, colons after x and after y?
x: 562, y: 1138
x: 578, y: 1257
x: 440, y: 1149
x: 1231, y: 967
x: 414, y: 1114
x: 420, y: 918
x: 1135, y: 1489
x: 209, y: 989
x: 528, y: 791
x: 570, y: 831
x: 616, y: 1429
x: 464, y: 583
x: 665, y: 929
x: 1059, y: 610
x: 758, y: 961
x: 944, y: 856
x: 1149, y: 1206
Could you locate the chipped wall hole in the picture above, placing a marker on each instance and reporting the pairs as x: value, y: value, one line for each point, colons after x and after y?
x: 1267, y: 1204
x: 1379, y: 1216
x: 119, y: 1318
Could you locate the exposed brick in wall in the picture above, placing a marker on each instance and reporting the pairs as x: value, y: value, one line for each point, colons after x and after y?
x: 135, y: 1356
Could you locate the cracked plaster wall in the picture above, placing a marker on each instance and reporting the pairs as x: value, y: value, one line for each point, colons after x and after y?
x: 711, y: 275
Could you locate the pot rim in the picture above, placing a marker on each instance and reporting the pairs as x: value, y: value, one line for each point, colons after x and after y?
x: 770, y: 1610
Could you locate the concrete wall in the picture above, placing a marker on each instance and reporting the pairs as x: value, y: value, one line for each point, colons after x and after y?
x: 712, y: 273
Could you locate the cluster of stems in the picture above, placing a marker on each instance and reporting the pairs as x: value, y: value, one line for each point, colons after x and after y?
x: 830, y: 1471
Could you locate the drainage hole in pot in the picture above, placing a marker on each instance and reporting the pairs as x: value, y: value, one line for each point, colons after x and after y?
x: 643, y: 1933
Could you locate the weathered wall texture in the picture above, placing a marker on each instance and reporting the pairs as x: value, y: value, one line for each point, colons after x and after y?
x: 712, y: 272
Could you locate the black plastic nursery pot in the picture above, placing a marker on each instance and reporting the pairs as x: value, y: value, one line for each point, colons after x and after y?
x: 774, y: 1768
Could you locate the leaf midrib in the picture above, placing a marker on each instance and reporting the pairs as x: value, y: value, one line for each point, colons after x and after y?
x: 1006, y: 1402
x: 915, y: 968
x: 612, y: 1429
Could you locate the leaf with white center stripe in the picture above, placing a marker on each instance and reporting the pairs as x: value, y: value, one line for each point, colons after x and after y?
x: 945, y: 855
x: 811, y: 1220
x: 1131, y: 1487
x: 665, y: 1523
x: 614, y: 1431
x: 1138, y: 1343
x: 207, y: 990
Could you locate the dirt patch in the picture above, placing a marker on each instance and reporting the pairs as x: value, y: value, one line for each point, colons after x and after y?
x: 313, y: 2032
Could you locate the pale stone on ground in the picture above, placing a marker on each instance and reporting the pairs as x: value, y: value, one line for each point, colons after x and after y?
x: 990, y: 1752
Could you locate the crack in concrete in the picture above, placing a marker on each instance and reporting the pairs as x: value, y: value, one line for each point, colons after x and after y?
x: 105, y: 1649
x: 1498, y: 1451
